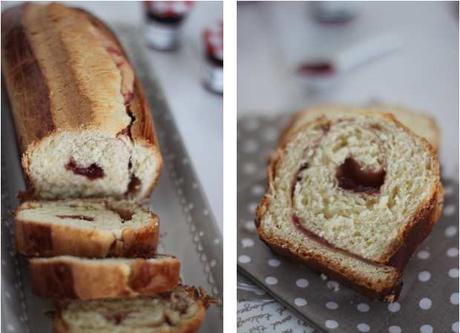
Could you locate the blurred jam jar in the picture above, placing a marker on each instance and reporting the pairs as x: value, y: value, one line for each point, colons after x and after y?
x: 214, y: 57
x: 163, y: 22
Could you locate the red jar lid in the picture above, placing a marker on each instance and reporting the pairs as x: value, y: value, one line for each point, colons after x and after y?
x: 214, y: 42
x: 168, y: 8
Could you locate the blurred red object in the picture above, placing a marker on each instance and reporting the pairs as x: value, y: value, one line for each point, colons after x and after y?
x: 164, y: 19
x: 213, y: 37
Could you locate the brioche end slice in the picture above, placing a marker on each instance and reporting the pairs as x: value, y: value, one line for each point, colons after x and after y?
x: 70, y: 277
x: 180, y: 311
x: 377, y: 277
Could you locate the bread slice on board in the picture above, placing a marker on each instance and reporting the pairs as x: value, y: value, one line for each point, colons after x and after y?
x: 83, y: 124
x: 418, y: 122
x: 352, y: 195
x: 180, y: 311
x: 93, y: 228
x: 81, y: 278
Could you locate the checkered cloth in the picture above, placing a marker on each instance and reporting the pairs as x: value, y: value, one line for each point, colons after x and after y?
x: 214, y: 40
x: 169, y: 8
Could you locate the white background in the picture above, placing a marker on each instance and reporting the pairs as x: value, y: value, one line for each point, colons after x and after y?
x: 423, y: 74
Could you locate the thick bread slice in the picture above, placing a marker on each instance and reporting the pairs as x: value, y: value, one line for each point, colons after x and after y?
x: 81, y: 278
x: 418, y: 122
x: 83, y: 124
x: 93, y: 228
x: 180, y: 311
x: 352, y: 195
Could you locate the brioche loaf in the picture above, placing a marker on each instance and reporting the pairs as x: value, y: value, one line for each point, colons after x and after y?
x: 81, y: 278
x: 91, y: 228
x: 420, y: 123
x: 352, y: 195
x: 180, y: 311
x: 83, y: 125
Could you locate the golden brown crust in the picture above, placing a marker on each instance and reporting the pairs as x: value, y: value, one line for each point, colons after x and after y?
x: 47, y: 240
x: 399, y: 253
x: 190, y: 325
x: 42, y: 42
x: 26, y: 85
x: 434, y: 137
x: 72, y: 278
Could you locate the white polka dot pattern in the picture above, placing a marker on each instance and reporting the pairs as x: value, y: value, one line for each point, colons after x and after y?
x: 244, y: 259
x: 394, y: 329
x: 332, y: 324
x: 250, y: 226
x: 426, y: 329
x: 429, y: 281
x: 362, y: 327
x: 424, y: 276
x: 449, y: 210
x: 333, y: 285
x: 423, y: 254
x: 452, y: 252
x: 302, y: 283
x: 453, y: 273
x: 247, y: 242
x: 274, y: 262
x: 362, y: 307
x: 257, y: 190
x: 454, y: 298
x: 271, y: 280
x: 332, y: 305
x: 450, y: 231
x: 425, y: 303
x: 394, y: 307
x: 300, y: 301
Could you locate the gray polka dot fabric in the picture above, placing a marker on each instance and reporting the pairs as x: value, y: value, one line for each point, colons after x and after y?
x: 429, y: 299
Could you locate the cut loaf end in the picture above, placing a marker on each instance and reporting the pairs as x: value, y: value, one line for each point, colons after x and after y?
x: 352, y: 194
x: 181, y: 310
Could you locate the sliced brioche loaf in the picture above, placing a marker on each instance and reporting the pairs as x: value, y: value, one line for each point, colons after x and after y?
x: 180, y: 311
x: 420, y: 123
x: 352, y: 195
x: 83, y: 124
x: 81, y: 278
x: 86, y: 228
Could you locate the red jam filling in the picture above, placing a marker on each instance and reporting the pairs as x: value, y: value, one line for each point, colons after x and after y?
x: 76, y: 217
x: 352, y: 177
x: 91, y: 172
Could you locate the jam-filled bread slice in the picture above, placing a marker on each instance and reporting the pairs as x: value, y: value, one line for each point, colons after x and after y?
x: 83, y: 124
x: 352, y: 195
x: 93, y: 228
x: 80, y: 278
x: 181, y: 310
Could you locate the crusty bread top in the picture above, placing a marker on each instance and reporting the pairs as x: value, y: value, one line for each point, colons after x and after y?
x: 82, y: 76
x: 420, y: 123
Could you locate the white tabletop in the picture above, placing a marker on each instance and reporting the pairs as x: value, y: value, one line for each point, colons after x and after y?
x: 198, y: 113
x: 423, y: 73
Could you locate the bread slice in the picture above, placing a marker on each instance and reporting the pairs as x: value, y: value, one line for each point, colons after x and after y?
x: 420, y: 123
x: 352, y: 195
x: 81, y: 278
x: 93, y: 228
x: 83, y: 124
x: 180, y: 311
